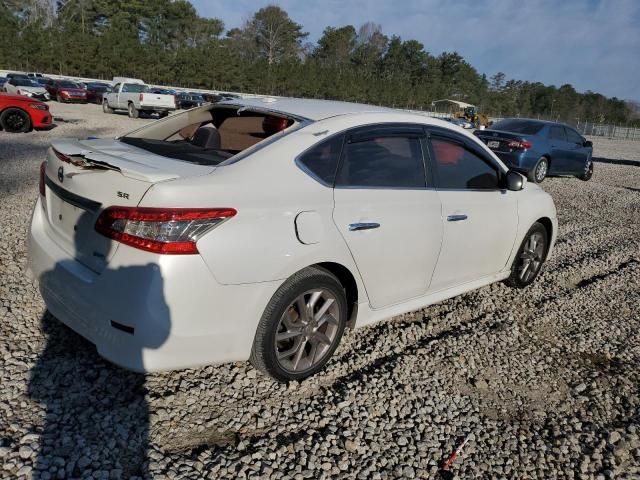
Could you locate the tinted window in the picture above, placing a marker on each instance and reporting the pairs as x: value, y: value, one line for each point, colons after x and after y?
x: 382, y: 161
x: 67, y: 84
x: 133, y: 88
x: 557, y: 133
x: 322, y: 159
x: 527, y: 127
x: 573, y: 137
x: 458, y: 168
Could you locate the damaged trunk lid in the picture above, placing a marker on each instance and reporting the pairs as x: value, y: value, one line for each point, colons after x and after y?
x: 83, y: 177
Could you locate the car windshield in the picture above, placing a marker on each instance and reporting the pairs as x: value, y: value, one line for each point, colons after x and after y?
x: 527, y: 127
x: 67, y: 84
x: 98, y: 87
x: 25, y: 82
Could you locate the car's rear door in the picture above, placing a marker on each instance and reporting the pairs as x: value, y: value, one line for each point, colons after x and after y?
x: 387, y: 212
x: 479, y: 217
x: 559, y: 149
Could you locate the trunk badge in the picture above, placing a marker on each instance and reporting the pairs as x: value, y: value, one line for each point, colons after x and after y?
x: 61, y: 174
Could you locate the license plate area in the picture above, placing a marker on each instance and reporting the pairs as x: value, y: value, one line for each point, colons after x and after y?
x: 493, y: 144
x: 65, y: 217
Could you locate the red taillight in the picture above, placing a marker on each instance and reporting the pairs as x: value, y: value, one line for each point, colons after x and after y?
x: 141, y: 96
x: 520, y: 145
x: 43, y: 174
x: 171, y: 231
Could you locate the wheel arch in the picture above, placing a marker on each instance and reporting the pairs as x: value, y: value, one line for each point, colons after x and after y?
x: 348, y: 281
x: 548, y: 226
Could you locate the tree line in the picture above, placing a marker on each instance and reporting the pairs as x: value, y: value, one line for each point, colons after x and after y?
x: 167, y: 42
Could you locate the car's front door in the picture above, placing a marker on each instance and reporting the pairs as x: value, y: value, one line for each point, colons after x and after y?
x: 577, y: 153
x: 479, y: 217
x: 387, y: 212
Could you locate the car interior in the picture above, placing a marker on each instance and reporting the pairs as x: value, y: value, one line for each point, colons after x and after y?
x: 208, y: 136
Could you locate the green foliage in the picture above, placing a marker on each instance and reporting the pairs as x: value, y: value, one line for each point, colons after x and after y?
x: 167, y: 42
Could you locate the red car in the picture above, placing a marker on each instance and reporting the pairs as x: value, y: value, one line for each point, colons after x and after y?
x: 21, y: 114
x: 66, y: 91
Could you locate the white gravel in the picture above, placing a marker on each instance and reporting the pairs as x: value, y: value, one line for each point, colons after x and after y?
x: 545, y: 379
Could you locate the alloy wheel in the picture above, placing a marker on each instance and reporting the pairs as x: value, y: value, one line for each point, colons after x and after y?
x: 307, y: 330
x: 541, y: 170
x: 16, y: 121
x: 531, y: 257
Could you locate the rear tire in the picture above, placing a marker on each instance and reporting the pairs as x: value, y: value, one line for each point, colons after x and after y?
x: 105, y: 107
x: 539, y: 172
x: 588, y: 171
x: 301, y: 326
x: 15, y: 120
x: 133, y: 111
x: 530, y: 257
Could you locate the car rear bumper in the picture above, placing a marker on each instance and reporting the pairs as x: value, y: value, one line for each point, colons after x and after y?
x: 155, y: 108
x: 522, y: 161
x: 147, y: 312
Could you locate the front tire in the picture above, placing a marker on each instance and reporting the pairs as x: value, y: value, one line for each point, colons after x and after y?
x: 531, y: 255
x: 133, y: 111
x: 301, y: 326
x: 588, y: 171
x: 539, y: 172
x: 15, y: 120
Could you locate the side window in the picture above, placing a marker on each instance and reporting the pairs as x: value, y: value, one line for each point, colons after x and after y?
x: 322, y: 159
x: 557, y: 133
x: 573, y: 136
x: 458, y: 168
x: 382, y: 161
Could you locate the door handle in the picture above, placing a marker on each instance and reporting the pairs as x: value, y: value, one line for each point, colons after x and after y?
x: 353, y: 227
x: 456, y: 218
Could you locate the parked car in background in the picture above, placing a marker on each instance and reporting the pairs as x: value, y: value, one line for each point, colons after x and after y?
x: 20, y: 114
x: 22, y: 85
x: 17, y: 75
x: 230, y: 241
x: 186, y: 100
x: 95, y: 91
x: 66, y: 91
x: 135, y: 98
x: 34, y: 75
x: 539, y: 148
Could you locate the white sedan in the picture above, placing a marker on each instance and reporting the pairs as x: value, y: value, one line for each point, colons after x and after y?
x: 260, y: 229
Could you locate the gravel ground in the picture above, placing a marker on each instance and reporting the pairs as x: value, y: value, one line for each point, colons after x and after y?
x: 544, y: 381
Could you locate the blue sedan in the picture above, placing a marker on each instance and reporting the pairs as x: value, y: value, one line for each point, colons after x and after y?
x: 538, y: 148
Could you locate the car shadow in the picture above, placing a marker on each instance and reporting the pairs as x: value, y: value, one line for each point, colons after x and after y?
x: 96, y: 414
x: 617, y: 161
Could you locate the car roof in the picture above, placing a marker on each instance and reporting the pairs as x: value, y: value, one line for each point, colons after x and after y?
x: 310, y: 109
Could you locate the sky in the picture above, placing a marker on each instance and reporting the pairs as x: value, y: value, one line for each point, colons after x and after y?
x: 591, y: 44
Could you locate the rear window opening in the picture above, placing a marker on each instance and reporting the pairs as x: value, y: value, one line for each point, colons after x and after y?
x: 208, y: 135
x: 526, y: 127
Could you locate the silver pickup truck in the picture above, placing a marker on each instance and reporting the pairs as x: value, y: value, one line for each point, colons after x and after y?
x: 136, y: 98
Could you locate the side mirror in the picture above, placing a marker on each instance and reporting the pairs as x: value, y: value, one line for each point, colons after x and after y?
x: 514, y: 181
x: 587, y: 143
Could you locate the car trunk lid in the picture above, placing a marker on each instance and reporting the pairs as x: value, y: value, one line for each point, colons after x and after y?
x: 499, y: 140
x: 83, y: 177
